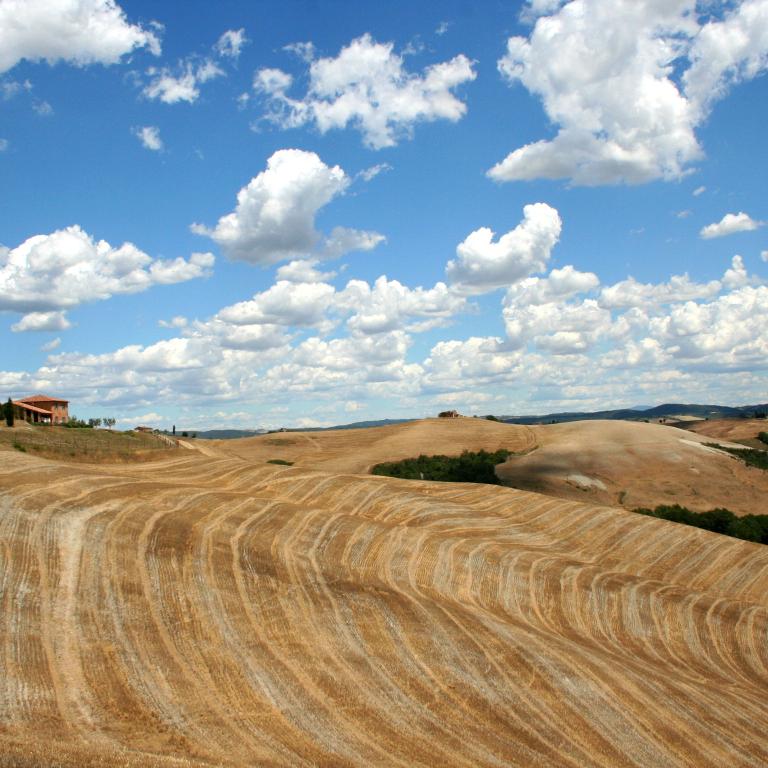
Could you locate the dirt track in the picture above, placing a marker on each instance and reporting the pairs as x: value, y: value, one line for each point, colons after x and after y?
x: 215, y: 610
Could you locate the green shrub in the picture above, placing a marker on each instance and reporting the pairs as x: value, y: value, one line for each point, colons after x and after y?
x: 75, y: 423
x: 468, y: 468
x: 280, y: 461
x: 748, y: 527
x: 763, y: 437
x: 750, y: 456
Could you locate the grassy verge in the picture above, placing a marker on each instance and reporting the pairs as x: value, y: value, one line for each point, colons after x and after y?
x: 470, y: 467
x: 84, y: 445
x: 748, y: 527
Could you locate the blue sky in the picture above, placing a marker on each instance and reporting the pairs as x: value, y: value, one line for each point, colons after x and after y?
x: 239, y: 214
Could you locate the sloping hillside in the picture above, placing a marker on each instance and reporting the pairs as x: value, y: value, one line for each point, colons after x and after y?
x: 736, y: 430
x: 358, y: 450
x: 628, y: 464
x: 210, y: 610
x: 636, y: 465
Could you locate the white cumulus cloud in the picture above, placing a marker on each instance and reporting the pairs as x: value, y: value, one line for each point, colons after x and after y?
x: 42, y: 321
x: 556, y: 326
x: 729, y: 225
x: 284, y: 303
x: 182, y: 83
x: 367, y: 86
x: 79, y: 32
x: 50, y: 273
x: 728, y: 51
x: 274, y: 219
x: 559, y: 284
x: 303, y: 271
x: 149, y: 136
x: 727, y: 332
x: 483, y: 264
x: 178, y: 321
x: 388, y: 305
x: 606, y: 72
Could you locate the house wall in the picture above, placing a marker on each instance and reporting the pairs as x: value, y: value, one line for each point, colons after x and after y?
x: 59, y: 412
x: 23, y: 414
x: 58, y: 409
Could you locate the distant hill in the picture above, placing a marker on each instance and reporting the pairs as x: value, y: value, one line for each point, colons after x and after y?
x: 353, y: 425
x: 665, y: 411
x: 228, y: 434
x: 379, y: 423
x: 232, y: 434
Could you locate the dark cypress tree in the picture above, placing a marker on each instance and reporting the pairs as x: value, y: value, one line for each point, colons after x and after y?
x: 9, y: 413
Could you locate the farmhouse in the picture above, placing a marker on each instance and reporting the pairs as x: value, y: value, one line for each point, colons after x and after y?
x: 449, y: 414
x: 41, y: 409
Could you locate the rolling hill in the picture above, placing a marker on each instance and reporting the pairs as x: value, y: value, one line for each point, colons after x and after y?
x: 210, y: 609
x: 664, y: 411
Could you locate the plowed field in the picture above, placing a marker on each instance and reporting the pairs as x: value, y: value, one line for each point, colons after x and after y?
x: 216, y: 610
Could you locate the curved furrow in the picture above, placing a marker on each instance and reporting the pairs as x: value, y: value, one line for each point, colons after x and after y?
x: 211, y: 610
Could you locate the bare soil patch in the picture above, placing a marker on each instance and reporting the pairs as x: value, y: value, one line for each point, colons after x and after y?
x: 634, y: 465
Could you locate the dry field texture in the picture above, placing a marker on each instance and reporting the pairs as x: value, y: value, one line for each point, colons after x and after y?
x: 633, y: 464
x: 736, y: 430
x: 210, y: 609
x: 84, y: 445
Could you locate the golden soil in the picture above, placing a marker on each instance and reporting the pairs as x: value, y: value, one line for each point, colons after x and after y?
x: 740, y: 430
x: 357, y: 450
x: 637, y: 465
x: 212, y: 609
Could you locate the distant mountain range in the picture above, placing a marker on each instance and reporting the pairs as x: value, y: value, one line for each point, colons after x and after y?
x: 665, y: 411
x: 231, y: 434
x: 228, y: 434
x: 638, y: 413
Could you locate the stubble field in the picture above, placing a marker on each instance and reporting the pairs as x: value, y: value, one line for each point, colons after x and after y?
x: 213, y: 609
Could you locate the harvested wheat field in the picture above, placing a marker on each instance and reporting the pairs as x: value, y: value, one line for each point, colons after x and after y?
x: 633, y: 464
x: 357, y: 450
x: 214, y: 610
x: 737, y: 430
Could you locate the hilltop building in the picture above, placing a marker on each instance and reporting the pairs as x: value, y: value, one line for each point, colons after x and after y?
x: 449, y: 414
x: 41, y: 409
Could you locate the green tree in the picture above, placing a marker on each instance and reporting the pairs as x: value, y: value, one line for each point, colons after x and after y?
x: 9, y: 412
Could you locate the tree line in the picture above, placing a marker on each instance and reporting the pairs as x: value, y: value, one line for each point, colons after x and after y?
x: 747, y: 527
x: 470, y: 467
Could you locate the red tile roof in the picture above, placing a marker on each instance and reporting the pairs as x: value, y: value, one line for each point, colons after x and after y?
x: 42, y: 399
x: 33, y: 408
